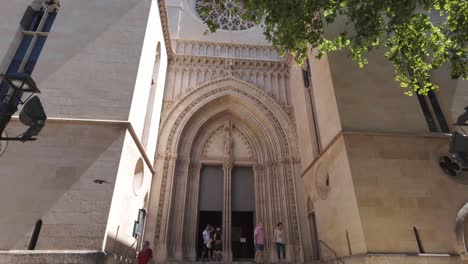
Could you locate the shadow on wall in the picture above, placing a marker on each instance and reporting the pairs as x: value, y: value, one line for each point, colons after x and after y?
x: 35, y: 176
x: 90, y: 24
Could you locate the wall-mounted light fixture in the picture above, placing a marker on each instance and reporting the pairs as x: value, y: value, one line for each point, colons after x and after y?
x: 32, y: 114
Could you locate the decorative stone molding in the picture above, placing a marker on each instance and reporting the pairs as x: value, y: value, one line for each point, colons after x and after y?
x: 226, y: 50
x: 165, y: 26
x: 187, y: 74
x: 228, y: 162
x: 167, y: 156
x: 258, y: 167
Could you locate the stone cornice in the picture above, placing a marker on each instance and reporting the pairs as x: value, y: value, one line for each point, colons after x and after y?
x: 102, y: 122
x: 271, y: 64
x: 165, y: 27
x: 223, y: 44
x: 226, y: 50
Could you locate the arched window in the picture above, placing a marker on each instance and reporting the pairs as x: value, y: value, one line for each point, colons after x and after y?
x: 35, y: 235
x: 151, y: 98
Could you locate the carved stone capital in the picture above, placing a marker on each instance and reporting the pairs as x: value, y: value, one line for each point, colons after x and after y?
x: 167, y: 156
x: 228, y: 162
x: 258, y: 167
x: 184, y: 161
x: 195, y: 166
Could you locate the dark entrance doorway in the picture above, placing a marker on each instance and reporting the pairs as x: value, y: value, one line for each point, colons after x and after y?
x: 210, y: 201
x: 243, y: 213
x: 213, y: 218
x: 242, y: 236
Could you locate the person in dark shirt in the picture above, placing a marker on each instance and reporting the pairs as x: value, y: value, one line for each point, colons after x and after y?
x: 146, y: 254
x: 218, y: 245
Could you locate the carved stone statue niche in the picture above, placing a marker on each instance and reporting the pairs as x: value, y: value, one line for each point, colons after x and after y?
x: 227, y: 139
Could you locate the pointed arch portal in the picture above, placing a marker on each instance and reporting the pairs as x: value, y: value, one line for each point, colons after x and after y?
x: 225, y: 123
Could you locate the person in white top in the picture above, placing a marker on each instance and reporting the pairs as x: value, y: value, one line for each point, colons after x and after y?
x: 207, y: 242
x: 280, y: 241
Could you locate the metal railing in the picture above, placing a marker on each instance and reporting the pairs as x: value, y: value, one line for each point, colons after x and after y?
x: 332, y: 258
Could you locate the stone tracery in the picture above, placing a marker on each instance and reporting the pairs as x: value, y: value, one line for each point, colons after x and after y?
x: 227, y: 17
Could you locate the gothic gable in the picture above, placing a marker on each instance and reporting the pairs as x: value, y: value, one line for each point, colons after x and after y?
x: 214, y: 147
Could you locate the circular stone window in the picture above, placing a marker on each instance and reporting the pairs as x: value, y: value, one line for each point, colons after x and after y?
x: 227, y: 17
x: 322, y: 182
x: 138, y: 177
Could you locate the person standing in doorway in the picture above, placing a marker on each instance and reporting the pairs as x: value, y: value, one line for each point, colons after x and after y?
x: 218, y: 245
x: 146, y: 254
x: 259, y: 240
x: 280, y: 241
x: 207, y: 246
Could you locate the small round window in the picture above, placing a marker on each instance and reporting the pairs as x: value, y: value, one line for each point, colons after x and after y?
x: 322, y: 182
x: 138, y: 177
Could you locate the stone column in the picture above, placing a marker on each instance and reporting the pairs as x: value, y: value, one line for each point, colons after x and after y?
x: 193, y: 211
x: 259, y: 193
x: 182, y: 181
x: 227, y: 249
x: 165, y: 201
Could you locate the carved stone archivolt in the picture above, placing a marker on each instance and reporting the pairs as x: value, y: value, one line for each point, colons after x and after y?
x: 187, y: 72
x: 225, y: 122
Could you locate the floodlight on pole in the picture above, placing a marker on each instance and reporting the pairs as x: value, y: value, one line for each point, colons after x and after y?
x: 32, y: 114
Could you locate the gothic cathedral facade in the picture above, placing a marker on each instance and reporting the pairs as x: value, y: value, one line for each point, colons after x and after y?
x: 157, y: 129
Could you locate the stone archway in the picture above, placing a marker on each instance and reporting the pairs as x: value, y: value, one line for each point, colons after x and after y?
x: 267, y: 135
x: 461, y: 231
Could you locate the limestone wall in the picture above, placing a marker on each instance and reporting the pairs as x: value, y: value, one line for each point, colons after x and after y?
x: 369, y: 99
x: 52, y: 257
x: 88, y: 66
x: 399, y: 186
x: 96, y: 69
x: 52, y: 178
x: 130, y: 195
x: 335, y: 204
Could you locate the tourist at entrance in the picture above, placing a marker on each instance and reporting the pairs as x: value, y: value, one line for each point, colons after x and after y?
x: 218, y: 245
x: 259, y: 240
x: 207, y: 242
x: 280, y: 241
x: 146, y: 254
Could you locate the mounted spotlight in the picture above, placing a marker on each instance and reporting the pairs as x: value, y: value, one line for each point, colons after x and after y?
x: 456, y: 164
x: 32, y: 114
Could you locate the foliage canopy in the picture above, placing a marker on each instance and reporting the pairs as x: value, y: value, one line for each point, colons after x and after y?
x: 418, y: 36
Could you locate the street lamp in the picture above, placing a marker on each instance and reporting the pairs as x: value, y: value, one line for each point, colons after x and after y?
x: 32, y: 114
